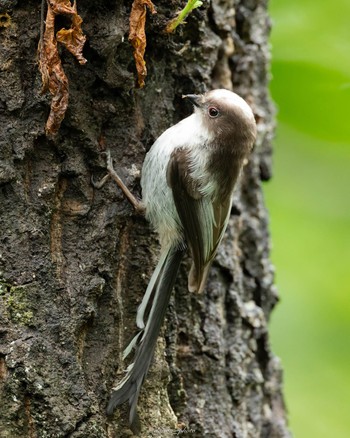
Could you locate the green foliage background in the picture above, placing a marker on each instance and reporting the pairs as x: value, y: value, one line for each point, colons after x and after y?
x: 309, y: 203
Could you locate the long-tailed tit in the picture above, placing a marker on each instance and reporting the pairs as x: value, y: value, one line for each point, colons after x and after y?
x: 188, y: 177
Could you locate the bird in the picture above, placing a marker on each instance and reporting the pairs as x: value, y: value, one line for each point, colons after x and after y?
x: 187, y: 180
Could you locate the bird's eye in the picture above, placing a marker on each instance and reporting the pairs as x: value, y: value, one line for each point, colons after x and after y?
x: 213, y: 112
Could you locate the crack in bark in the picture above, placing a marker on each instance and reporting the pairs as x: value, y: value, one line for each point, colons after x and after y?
x: 56, y: 230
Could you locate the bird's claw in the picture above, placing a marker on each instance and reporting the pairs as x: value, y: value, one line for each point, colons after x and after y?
x: 102, y: 182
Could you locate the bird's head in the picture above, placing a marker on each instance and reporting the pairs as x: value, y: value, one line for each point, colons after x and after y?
x: 226, y: 117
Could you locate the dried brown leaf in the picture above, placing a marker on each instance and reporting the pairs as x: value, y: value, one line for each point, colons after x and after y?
x: 61, y: 6
x: 73, y: 38
x: 53, y: 77
x: 137, y: 36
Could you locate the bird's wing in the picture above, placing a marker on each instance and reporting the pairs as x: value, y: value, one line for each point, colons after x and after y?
x: 204, y: 220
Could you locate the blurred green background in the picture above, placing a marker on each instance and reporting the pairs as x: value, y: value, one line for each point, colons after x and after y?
x: 309, y: 203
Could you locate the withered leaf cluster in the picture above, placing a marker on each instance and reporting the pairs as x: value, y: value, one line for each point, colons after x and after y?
x: 50, y: 66
x: 137, y: 36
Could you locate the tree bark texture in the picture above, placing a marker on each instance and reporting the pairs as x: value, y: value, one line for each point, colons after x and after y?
x: 74, y: 261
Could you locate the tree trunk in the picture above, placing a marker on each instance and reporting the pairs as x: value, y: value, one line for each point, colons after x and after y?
x: 74, y: 261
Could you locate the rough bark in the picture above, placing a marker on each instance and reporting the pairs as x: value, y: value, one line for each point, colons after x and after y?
x: 74, y: 261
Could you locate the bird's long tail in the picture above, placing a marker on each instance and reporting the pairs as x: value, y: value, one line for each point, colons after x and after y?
x: 160, y: 287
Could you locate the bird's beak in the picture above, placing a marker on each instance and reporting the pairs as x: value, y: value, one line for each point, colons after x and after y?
x: 193, y: 98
